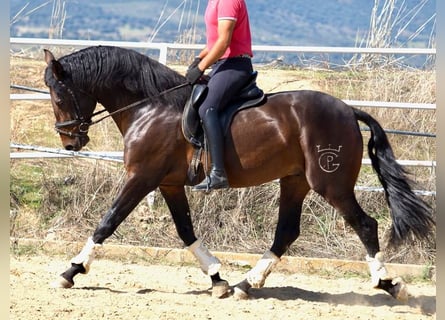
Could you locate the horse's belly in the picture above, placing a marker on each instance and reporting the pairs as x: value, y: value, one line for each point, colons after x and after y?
x: 260, y: 175
x: 256, y: 161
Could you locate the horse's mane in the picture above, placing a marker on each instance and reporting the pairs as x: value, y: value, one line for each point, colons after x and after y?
x: 99, y: 67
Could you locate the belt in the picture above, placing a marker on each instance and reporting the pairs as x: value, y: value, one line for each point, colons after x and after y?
x: 245, y: 55
x: 239, y: 56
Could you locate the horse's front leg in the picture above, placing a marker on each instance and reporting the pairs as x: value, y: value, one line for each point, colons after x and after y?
x: 178, y: 205
x: 130, y: 195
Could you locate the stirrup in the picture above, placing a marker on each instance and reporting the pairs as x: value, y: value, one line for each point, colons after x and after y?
x: 212, y: 182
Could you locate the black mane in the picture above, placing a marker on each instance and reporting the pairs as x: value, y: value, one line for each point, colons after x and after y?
x: 96, y: 68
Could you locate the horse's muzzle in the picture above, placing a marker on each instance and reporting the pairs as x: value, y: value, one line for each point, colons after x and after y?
x: 75, y: 144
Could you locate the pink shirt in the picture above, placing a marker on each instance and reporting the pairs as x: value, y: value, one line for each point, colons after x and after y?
x: 233, y: 10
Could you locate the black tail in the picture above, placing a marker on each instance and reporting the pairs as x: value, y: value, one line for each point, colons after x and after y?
x: 409, y: 213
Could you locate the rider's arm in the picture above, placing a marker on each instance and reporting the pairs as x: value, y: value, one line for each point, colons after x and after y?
x: 225, y: 32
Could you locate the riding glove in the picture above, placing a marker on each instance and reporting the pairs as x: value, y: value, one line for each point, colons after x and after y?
x: 194, y: 74
x: 194, y: 63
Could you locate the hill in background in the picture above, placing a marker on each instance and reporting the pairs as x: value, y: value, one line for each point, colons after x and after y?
x: 284, y: 22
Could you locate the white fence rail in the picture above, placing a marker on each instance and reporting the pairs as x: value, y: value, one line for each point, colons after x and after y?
x: 42, y: 152
x: 164, y: 47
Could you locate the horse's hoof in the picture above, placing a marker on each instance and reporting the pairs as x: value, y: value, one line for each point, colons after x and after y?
x: 239, y: 294
x: 241, y: 290
x: 220, y: 289
x: 400, y: 290
x: 62, y: 283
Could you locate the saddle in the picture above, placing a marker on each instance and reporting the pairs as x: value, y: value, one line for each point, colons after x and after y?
x: 249, y: 96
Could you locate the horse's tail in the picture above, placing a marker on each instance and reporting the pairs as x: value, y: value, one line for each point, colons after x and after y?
x: 409, y: 213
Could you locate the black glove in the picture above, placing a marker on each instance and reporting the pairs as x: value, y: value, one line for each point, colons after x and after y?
x: 193, y: 74
x: 194, y: 63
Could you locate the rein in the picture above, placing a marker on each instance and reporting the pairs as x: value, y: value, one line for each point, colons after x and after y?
x: 134, y: 104
x: 85, y: 125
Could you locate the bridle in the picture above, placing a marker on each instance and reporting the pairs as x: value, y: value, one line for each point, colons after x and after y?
x: 80, y: 121
x: 84, y: 124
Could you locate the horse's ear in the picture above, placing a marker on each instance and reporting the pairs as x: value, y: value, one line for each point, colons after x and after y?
x: 55, y: 65
x: 49, y: 57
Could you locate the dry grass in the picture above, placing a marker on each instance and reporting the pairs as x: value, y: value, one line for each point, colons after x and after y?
x: 65, y: 198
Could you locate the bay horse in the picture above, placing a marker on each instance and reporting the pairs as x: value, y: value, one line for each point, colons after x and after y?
x: 306, y: 139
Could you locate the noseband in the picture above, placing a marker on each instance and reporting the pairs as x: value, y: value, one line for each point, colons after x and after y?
x: 83, y: 128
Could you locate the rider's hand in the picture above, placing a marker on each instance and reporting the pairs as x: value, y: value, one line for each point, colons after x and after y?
x: 194, y: 63
x: 194, y: 74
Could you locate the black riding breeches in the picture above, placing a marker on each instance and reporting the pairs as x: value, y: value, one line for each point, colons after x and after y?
x: 227, y: 78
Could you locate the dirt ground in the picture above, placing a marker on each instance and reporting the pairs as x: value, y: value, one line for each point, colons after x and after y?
x: 116, y: 290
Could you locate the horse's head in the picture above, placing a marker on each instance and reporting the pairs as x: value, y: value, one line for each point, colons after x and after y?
x: 72, y: 106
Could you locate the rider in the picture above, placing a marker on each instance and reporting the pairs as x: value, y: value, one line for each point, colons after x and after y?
x: 228, y: 50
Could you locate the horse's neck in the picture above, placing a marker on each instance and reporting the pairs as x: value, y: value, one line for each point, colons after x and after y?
x: 115, y: 104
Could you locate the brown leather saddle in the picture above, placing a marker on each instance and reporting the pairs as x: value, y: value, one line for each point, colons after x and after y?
x: 249, y: 96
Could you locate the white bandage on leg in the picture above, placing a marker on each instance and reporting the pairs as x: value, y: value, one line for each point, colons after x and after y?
x: 257, y: 275
x: 86, y: 256
x: 377, y: 268
x: 209, y: 264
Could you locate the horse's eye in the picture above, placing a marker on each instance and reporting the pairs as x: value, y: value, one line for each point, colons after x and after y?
x: 59, y: 102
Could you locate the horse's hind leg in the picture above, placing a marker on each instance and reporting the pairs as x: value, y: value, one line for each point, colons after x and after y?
x: 367, y: 230
x: 293, y: 190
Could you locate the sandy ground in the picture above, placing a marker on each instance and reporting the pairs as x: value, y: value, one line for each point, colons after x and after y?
x: 116, y: 290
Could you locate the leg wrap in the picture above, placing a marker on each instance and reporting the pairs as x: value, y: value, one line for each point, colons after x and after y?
x: 86, y: 256
x: 209, y: 263
x: 257, y: 275
x: 377, y: 268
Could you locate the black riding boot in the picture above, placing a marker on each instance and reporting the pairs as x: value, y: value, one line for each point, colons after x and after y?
x: 217, y: 178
